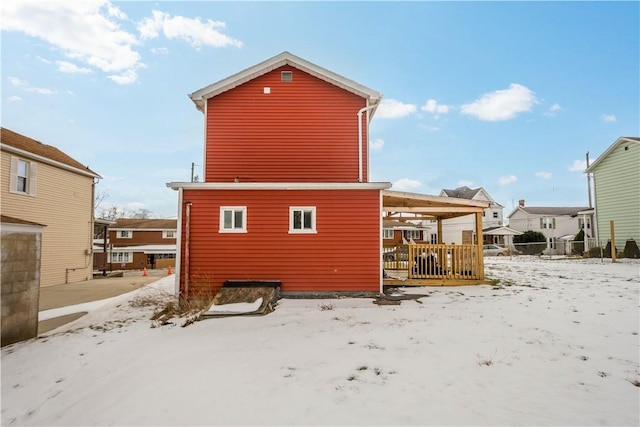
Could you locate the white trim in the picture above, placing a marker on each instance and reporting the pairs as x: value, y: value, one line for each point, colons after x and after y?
x: 612, y: 147
x: 280, y: 185
x: 233, y: 210
x: 48, y: 161
x: 312, y: 230
x: 178, y: 245
x: 10, y: 227
x: 31, y: 176
x: 120, y: 236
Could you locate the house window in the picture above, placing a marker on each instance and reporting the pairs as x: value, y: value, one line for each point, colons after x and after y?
x: 546, y: 222
x: 551, y: 243
x: 23, y: 177
x: 495, y: 215
x: 121, y: 257
x: 302, y: 219
x: 414, y: 234
x: 483, y: 213
x: 434, y: 239
x: 233, y: 219
x: 286, y: 76
x: 125, y: 234
x: 387, y: 233
x: 168, y: 234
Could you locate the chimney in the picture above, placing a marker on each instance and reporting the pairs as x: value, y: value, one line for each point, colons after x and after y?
x: 521, y: 203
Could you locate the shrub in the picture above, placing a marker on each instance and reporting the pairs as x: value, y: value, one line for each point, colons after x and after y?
x: 594, y: 252
x: 631, y: 249
x: 529, y: 236
x: 578, y: 247
x: 607, y: 250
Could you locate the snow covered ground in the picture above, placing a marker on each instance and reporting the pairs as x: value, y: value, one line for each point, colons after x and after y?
x: 553, y: 343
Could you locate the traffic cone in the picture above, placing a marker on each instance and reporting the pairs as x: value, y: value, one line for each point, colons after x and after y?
x: 144, y: 272
x: 169, y: 272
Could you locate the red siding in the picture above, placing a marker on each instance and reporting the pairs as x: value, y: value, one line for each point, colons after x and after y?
x: 303, y: 131
x: 344, y: 255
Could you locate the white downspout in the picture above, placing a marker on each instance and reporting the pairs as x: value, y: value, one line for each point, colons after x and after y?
x: 360, y: 111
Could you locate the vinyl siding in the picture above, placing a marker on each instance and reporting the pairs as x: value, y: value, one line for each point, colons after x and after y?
x: 63, y: 202
x: 303, y: 131
x: 344, y: 255
x: 140, y: 237
x: 617, y: 194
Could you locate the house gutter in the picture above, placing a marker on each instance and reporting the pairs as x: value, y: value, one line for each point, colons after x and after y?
x: 187, y: 231
x: 360, y: 111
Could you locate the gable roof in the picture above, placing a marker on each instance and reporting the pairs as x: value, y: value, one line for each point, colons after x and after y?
x: 550, y: 211
x: 27, y: 147
x: 619, y: 141
x: 462, y: 192
x: 200, y: 96
x: 145, y: 224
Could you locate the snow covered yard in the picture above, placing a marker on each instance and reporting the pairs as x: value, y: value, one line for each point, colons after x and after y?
x: 553, y: 343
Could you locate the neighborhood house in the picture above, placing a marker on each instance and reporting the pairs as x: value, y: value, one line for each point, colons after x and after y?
x: 286, y: 194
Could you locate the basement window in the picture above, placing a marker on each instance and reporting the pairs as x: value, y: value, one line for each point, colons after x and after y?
x: 286, y: 76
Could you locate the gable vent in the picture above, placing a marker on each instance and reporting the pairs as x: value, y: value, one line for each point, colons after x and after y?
x: 286, y: 76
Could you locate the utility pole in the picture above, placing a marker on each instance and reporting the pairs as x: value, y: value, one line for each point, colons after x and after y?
x: 193, y: 165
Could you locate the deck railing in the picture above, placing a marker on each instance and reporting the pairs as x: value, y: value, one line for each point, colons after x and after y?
x: 427, y: 261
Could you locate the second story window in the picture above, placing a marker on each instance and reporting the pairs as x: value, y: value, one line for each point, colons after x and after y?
x: 233, y: 219
x: 387, y: 233
x: 168, y: 234
x: 495, y: 215
x: 124, y: 234
x: 23, y: 177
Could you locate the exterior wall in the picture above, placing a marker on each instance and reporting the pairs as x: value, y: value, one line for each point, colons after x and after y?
x: 452, y: 228
x: 617, y: 194
x: 140, y: 237
x: 303, y: 131
x: 64, y: 203
x: 397, y: 238
x: 20, y: 284
x: 344, y: 255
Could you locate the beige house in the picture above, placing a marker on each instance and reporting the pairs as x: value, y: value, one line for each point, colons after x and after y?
x: 41, y: 184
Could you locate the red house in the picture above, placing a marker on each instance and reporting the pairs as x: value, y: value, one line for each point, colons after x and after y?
x: 286, y: 193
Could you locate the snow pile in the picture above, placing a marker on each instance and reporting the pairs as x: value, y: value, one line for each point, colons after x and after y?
x: 552, y: 343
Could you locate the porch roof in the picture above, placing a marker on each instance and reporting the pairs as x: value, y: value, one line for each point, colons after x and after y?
x: 429, y: 207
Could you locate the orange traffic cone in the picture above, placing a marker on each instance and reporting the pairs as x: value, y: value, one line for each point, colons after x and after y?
x: 169, y: 272
x: 144, y: 272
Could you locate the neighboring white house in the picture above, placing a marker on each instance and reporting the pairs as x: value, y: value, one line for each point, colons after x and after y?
x: 616, y: 183
x: 558, y: 224
x: 460, y: 230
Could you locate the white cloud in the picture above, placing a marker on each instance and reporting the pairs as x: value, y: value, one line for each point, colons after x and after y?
x: 160, y: 50
x: 24, y: 85
x: 506, y: 180
x: 543, y: 175
x: 406, y: 184
x: 432, y: 106
x: 393, y: 109
x: 68, y: 67
x: 129, y: 76
x: 608, y: 118
x: 14, y: 98
x: 553, y: 110
x: 429, y: 128
x: 501, y: 104
x: 377, y: 144
x: 193, y: 31
x: 578, y: 166
x: 465, y: 183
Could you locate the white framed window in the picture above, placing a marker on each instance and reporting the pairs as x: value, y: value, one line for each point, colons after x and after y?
x: 233, y: 219
x: 23, y: 177
x: 414, y: 234
x: 120, y: 257
x: 495, y: 214
x: 302, y: 219
x: 546, y: 222
x: 124, y: 234
x: 387, y: 233
x: 434, y: 239
x: 168, y: 234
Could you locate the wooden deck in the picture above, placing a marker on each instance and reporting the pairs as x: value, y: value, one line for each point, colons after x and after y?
x: 434, y: 265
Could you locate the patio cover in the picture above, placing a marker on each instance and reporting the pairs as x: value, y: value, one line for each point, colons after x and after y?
x: 428, y: 207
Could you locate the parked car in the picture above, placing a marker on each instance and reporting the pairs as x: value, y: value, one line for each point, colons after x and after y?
x: 494, y: 250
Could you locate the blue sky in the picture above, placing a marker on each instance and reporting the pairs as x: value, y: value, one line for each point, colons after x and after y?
x: 508, y: 96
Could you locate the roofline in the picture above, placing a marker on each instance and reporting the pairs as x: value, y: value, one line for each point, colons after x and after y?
x: 279, y: 185
x: 200, y: 96
x: 142, y: 229
x: 441, y: 199
x: 608, y: 151
x: 49, y: 161
x: 579, y: 210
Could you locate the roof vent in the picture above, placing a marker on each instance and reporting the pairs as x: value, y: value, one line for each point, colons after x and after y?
x: 286, y: 76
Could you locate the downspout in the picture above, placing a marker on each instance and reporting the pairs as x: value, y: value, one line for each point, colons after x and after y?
x: 187, y: 233
x: 360, y: 111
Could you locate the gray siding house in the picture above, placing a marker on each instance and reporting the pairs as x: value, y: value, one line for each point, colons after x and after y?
x: 616, y: 178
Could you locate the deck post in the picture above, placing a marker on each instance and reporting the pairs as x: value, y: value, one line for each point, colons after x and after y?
x: 479, y: 241
x: 439, y: 231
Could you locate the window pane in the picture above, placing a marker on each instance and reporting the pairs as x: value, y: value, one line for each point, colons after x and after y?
x: 22, y: 184
x: 238, y: 219
x: 297, y: 220
x: 22, y: 168
x: 308, y: 224
x: 227, y: 220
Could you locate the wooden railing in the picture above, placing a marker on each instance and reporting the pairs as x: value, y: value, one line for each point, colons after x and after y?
x: 427, y: 261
